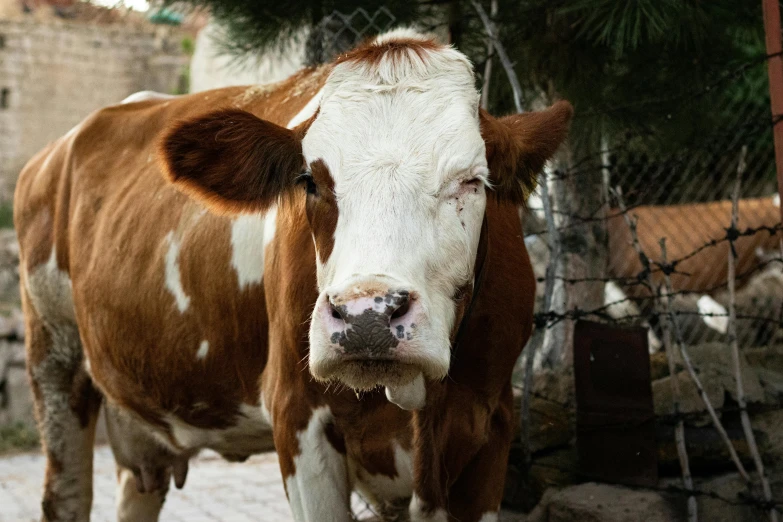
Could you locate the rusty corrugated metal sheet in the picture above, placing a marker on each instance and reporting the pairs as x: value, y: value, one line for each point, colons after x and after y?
x: 615, y: 418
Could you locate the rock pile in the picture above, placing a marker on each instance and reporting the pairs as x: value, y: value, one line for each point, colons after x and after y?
x: 552, y: 491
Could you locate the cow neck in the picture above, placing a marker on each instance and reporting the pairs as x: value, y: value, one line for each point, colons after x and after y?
x: 478, y: 278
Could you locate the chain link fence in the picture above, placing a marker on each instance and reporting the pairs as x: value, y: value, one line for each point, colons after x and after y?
x: 339, y: 32
x: 682, y: 194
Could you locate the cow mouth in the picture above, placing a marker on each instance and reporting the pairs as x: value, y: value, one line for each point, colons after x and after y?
x: 363, y: 373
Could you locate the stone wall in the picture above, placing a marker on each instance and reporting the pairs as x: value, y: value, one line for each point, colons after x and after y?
x: 54, y: 74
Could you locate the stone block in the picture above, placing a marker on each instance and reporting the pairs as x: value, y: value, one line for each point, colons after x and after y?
x: 715, y: 369
x: 592, y: 502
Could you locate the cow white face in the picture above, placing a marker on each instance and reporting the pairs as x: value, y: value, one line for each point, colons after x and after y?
x: 397, y: 176
x: 397, y: 165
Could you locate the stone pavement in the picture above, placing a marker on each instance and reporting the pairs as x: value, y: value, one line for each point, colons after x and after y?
x: 216, y: 490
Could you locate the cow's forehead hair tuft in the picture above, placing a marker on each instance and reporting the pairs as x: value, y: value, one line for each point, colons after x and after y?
x: 373, y: 115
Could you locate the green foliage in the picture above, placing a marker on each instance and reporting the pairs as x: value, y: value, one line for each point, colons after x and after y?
x: 183, y: 82
x: 603, y: 55
x: 6, y: 215
x: 667, y: 82
x: 187, y: 45
x: 18, y: 437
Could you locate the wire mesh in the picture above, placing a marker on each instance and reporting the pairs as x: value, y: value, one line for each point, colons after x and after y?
x: 339, y: 32
x: 682, y: 194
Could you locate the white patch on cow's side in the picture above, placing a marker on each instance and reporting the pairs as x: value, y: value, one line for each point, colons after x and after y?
x: 51, y: 292
x: 713, y: 314
x: 146, y: 95
x: 411, y: 396
x: 776, y: 200
x: 245, y: 437
x: 247, y: 248
x: 420, y: 512
x: 319, y: 488
x: 381, y: 489
x: 173, y: 276
x: 491, y: 516
x: 307, y: 111
x: 203, y: 349
x: 270, y: 225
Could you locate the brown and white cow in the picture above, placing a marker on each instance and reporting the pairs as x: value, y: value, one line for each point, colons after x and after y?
x: 357, y: 219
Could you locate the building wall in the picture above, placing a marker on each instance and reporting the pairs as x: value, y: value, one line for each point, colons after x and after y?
x: 209, y: 69
x: 52, y: 75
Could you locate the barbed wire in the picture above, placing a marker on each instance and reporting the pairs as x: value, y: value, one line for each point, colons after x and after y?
x: 550, y: 318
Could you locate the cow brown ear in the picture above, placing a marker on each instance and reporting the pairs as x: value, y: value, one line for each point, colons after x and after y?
x: 231, y: 160
x: 519, y: 145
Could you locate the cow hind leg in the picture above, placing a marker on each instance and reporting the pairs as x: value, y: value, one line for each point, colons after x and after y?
x: 66, y: 407
x: 477, y: 493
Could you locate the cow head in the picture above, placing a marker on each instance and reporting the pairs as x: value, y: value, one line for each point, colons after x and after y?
x: 396, y: 167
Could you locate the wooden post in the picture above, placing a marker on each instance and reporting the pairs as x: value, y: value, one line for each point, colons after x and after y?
x: 775, y: 71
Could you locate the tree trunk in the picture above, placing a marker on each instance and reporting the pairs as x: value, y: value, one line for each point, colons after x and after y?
x: 576, y: 194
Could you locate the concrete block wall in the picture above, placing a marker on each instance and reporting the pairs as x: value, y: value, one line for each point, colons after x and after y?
x: 52, y: 75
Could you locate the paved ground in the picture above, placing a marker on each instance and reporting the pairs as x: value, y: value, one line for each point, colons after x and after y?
x: 216, y: 490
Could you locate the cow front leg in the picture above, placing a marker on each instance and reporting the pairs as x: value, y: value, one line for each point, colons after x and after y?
x: 476, y: 495
x: 461, y: 458
x: 314, y: 468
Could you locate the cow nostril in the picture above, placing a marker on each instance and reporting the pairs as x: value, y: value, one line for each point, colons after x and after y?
x: 335, y: 312
x: 402, y: 310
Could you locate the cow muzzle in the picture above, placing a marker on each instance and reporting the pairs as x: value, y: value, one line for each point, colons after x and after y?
x: 367, y: 334
x: 370, y: 325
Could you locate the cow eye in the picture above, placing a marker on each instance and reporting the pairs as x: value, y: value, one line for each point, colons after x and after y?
x: 473, y: 184
x: 306, y: 179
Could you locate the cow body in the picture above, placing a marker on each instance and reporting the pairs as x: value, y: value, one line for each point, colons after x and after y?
x: 192, y: 326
